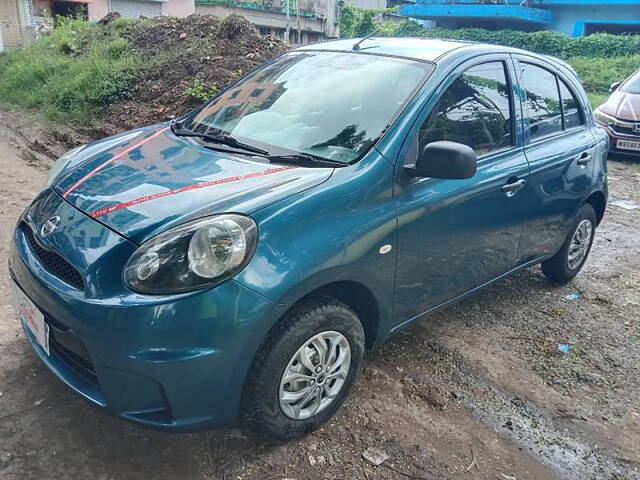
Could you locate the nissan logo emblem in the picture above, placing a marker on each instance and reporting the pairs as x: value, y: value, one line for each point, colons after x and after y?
x: 49, y: 226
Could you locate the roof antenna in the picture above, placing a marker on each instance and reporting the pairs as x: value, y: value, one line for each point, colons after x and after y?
x: 356, y: 46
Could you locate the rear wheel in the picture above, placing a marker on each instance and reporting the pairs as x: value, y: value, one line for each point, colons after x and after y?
x: 305, y: 370
x: 566, y: 264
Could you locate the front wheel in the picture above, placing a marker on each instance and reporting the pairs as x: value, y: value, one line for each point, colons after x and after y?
x: 566, y: 264
x: 305, y: 370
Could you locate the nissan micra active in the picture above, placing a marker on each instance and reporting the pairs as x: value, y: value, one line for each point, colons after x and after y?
x: 237, y: 261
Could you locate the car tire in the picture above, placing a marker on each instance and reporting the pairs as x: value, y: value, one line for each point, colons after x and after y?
x: 293, y: 347
x: 565, y: 265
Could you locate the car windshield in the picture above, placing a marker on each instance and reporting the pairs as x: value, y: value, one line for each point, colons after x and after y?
x: 327, y: 104
x: 632, y: 85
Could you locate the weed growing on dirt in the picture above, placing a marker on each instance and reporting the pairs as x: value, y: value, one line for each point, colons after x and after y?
x: 70, y: 75
x: 200, y: 91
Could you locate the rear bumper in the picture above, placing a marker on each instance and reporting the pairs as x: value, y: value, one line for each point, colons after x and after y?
x: 176, y: 363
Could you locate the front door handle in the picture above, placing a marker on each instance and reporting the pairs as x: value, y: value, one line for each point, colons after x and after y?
x: 584, y: 159
x: 511, y: 188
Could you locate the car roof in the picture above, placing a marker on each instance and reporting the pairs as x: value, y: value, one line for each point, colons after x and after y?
x: 415, y: 48
x: 426, y: 49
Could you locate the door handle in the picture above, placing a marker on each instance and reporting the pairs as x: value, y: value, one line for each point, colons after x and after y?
x: 584, y: 158
x: 511, y: 188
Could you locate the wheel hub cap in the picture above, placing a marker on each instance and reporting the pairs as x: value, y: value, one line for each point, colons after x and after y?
x: 315, y: 375
x: 579, y: 245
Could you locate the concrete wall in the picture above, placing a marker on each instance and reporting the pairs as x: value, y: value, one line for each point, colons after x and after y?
x: 565, y: 18
x: 179, y: 8
x: 174, y: 8
x: 14, y: 32
x: 98, y: 9
x: 42, y: 8
x: 313, y: 29
x: 367, y: 3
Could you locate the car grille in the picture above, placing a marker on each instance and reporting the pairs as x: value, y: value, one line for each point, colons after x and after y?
x: 625, y: 130
x: 71, y: 350
x: 53, y: 262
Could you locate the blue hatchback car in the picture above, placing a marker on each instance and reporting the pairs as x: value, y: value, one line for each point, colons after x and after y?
x: 237, y: 261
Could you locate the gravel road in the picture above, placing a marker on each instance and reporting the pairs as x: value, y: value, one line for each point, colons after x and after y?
x: 479, y: 390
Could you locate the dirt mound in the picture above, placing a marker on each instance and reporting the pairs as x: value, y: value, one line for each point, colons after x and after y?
x: 200, y: 49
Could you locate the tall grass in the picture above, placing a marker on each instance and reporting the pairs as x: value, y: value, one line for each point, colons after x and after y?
x: 598, y: 73
x: 70, y: 75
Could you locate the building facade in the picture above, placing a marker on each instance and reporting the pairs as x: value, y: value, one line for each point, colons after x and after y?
x: 308, y: 20
x: 571, y: 17
x: 297, y: 21
x: 17, y: 23
x: 136, y: 8
x: 22, y: 20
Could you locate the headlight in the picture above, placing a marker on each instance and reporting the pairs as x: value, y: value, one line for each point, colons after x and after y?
x: 603, y: 118
x: 60, y: 165
x: 195, y: 255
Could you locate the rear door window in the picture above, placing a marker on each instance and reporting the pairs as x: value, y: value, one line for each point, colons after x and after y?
x: 570, y: 107
x: 542, y: 107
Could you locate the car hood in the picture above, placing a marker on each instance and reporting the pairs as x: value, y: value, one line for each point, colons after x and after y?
x: 148, y: 180
x: 623, y: 105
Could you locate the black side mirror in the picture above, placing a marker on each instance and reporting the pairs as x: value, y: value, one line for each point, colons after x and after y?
x: 445, y: 160
x: 614, y: 86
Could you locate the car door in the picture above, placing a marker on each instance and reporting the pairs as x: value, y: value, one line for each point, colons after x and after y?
x: 455, y: 235
x: 560, y: 148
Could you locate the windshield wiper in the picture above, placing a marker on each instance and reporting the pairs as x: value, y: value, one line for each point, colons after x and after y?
x: 303, y: 158
x: 222, y: 139
x: 298, y: 158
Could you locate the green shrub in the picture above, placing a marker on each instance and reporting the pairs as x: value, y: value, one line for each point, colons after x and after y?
x: 598, y: 74
x: 355, y: 21
x: 121, y: 24
x: 358, y: 22
x: 71, y: 74
x: 116, y: 48
x: 69, y: 36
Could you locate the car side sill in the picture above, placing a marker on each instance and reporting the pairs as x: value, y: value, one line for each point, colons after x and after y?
x: 463, y: 295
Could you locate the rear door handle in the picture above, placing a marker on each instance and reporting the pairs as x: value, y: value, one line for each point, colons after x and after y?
x: 584, y: 158
x: 511, y: 188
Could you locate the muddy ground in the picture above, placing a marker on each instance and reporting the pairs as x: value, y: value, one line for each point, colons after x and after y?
x: 479, y: 390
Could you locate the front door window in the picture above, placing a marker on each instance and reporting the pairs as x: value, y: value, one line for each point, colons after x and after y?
x: 475, y: 110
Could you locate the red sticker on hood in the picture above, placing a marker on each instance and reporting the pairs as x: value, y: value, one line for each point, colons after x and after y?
x: 145, y: 198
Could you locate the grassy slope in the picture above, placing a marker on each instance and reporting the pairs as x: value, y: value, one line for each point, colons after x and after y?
x: 71, y: 74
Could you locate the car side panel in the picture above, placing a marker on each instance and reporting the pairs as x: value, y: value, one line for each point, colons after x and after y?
x: 558, y: 183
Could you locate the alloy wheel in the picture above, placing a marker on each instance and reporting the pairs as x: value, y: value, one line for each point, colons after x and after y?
x: 315, y: 375
x: 580, y: 242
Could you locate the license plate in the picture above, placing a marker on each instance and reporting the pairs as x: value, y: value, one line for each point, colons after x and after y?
x: 628, y: 145
x: 30, y: 316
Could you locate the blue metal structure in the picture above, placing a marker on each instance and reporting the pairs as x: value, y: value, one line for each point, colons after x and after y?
x: 571, y: 17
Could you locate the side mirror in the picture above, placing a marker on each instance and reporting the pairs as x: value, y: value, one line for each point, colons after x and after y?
x: 445, y: 159
x: 614, y: 86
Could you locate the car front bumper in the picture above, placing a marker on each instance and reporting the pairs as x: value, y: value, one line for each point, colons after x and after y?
x: 173, y: 362
x: 613, y: 140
